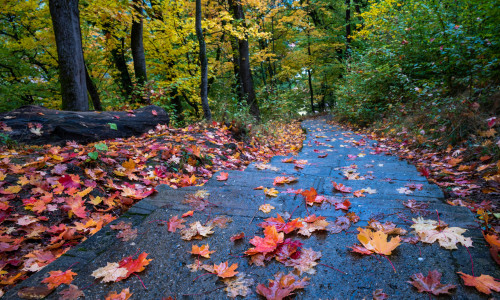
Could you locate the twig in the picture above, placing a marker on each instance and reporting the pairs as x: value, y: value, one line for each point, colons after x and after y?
x: 390, y: 262
x: 72, y: 265
x: 253, y: 217
x: 293, y: 212
x: 332, y: 268
x: 141, y: 281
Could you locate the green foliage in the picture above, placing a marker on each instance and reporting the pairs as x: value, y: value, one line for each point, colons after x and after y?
x: 438, y: 57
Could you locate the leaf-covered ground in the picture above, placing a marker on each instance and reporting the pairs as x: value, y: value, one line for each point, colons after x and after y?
x: 52, y: 198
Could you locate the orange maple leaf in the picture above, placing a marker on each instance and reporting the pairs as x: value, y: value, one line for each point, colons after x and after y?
x: 377, y: 241
x: 202, y: 251
x: 222, y: 270
x: 59, y: 277
x: 123, y: 295
x: 187, y: 214
x: 483, y: 283
x: 310, y: 195
x: 268, y: 243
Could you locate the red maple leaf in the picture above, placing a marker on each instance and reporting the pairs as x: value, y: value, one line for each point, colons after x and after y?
x: 175, y: 223
x: 134, y: 265
x: 341, y: 188
x: 282, y: 286
x: 70, y: 181
x: 268, y: 243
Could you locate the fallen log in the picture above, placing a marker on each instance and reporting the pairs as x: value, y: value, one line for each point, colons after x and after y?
x: 36, y: 125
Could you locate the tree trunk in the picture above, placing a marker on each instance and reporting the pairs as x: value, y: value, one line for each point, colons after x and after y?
x: 66, y: 24
x: 347, y: 26
x: 204, y: 64
x: 137, y: 45
x: 244, y: 62
x: 92, y: 90
x: 118, y: 56
x: 238, y: 86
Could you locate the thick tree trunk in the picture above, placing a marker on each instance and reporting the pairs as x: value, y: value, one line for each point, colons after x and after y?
x: 244, y: 62
x: 204, y: 64
x: 66, y: 24
x: 137, y: 45
x: 94, y: 94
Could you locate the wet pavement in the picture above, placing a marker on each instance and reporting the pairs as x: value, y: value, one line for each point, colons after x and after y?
x: 341, y: 274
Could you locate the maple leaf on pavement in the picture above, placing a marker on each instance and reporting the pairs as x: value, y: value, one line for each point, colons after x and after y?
x: 272, y: 192
x: 71, y: 293
x: 483, y: 283
x: 268, y: 243
x: 305, y: 262
x: 378, y: 294
x: 59, y: 277
x: 431, y: 283
x: 360, y: 249
x: 266, y: 208
x: 187, y: 214
x: 110, y: 273
x: 134, y: 265
x: 341, y: 188
x: 377, y: 241
x: 223, y: 176
x: 123, y: 295
x: 388, y: 227
x: 282, y: 286
x: 430, y: 231
x: 196, y: 231
x: 175, y: 223
x: 224, y: 271
x: 202, y: 251
x: 237, y: 236
x: 345, y: 205
x: 239, y: 286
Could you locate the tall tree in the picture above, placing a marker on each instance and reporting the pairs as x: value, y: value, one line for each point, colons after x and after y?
x: 66, y: 24
x: 245, y: 72
x: 204, y: 64
x: 137, y: 45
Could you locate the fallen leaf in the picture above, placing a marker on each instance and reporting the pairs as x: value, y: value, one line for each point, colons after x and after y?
x: 237, y: 236
x: 483, y: 283
x: 266, y: 208
x: 110, y: 273
x: 222, y: 270
x: 187, y: 214
x: 306, y: 261
x: 175, y: 223
x: 377, y: 241
x: 71, y: 293
x: 196, y: 231
x: 202, y: 251
x: 268, y: 243
x: 388, y: 227
x: 59, y: 277
x: 35, y: 292
x: 223, y: 176
x: 272, y: 192
x: 123, y: 295
x: 239, y: 286
x: 378, y: 294
x: 430, y: 231
x: 282, y: 286
x: 431, y: 283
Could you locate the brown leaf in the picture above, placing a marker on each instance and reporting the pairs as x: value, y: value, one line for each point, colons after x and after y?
x: 71, y: 293
x: 238, y: 286
x: 431, y: 283
x: 123, y: 295
x: 224, y: 271
x: 34, y: 292
x: 237, y: 236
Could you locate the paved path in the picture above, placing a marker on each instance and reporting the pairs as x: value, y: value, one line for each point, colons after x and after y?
x: 167, y: 275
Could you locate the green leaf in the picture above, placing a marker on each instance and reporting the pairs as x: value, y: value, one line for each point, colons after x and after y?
x: 101, y: 146
x: 113, y: 126
x: 93, y: 155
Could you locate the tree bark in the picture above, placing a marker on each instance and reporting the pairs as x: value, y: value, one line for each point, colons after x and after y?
x: 66, y: 24
x: 118, y: 56
x: 244, y: 63
x: 238, y: 86
x: 137, y: 45
x: 92, y: 90
x: 204, y: 64
x: 347, y: 26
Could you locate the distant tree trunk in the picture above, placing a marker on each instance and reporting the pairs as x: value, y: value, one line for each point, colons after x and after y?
x: 118, y: 55
x: 238, y: 87
x: 137, y: 45
x: 347, y: 26
x: 244, y: 59
x: 94, y: 94
x: 66, y: 24
x: 204, y: 64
